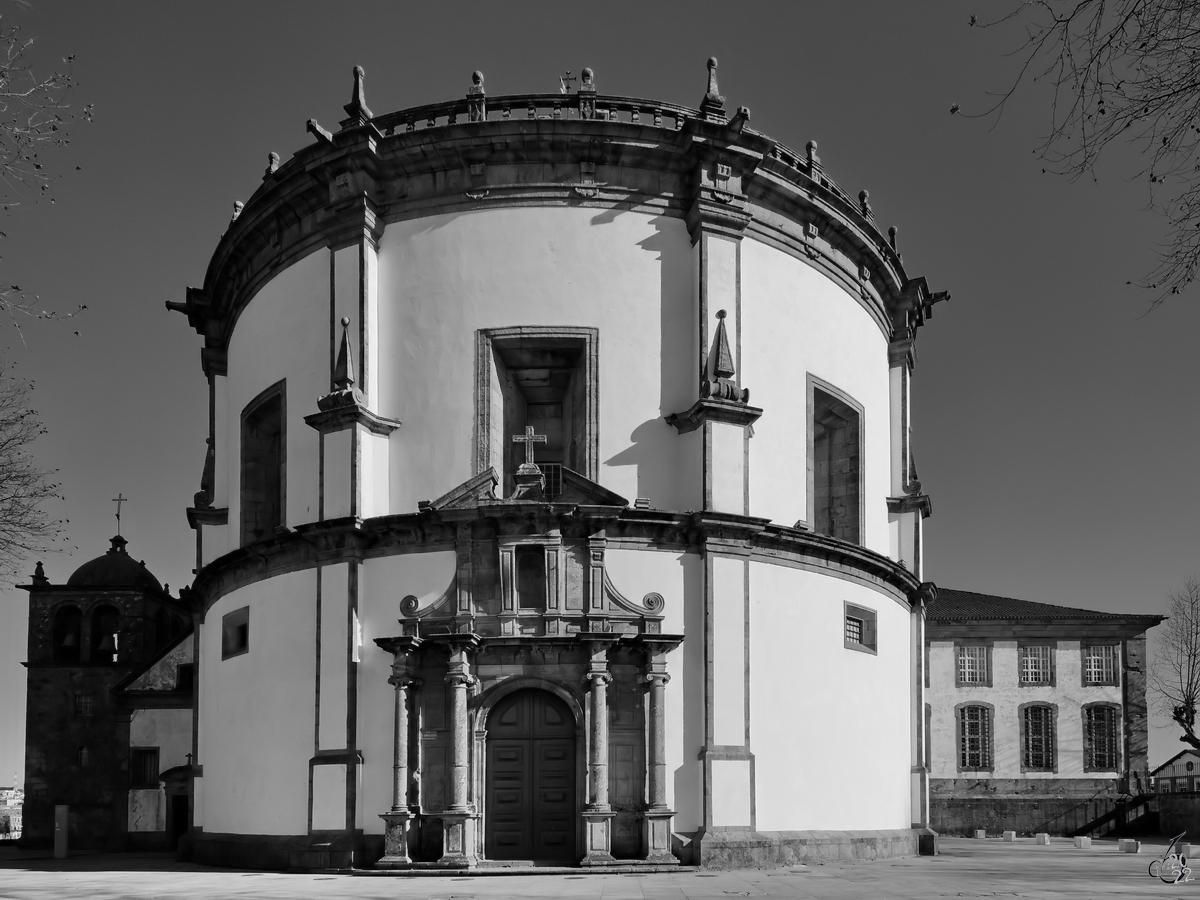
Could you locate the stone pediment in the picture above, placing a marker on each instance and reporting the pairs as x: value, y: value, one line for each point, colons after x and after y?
x: 480, y: 490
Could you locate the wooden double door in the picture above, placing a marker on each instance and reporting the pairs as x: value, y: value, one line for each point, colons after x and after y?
x: 531, y: 802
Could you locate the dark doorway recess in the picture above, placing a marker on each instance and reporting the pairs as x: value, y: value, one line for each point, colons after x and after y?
x: 531, y: 779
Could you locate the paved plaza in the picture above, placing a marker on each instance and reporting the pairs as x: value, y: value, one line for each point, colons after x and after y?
x: 965, y: 868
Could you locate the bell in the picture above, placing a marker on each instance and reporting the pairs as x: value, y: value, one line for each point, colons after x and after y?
x: 108, y: 644
x: 70, y: 640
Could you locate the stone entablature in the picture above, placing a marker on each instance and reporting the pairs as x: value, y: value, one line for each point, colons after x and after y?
x: 548, y: 150
x: 694, y: 532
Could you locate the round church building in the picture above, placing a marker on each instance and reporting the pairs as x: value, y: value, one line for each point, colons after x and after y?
x: 559, y: 503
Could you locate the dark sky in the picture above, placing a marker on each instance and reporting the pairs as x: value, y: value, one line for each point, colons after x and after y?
x: 1055, y: 423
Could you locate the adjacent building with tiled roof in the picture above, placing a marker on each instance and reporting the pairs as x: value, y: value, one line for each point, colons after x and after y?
x: 1036, y: 713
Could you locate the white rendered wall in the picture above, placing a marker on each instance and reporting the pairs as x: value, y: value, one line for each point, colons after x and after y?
x: 678, y: 577
x: 282, y: 333
x: 796, y: 322
x: 627, y: 274
x: 829, y: 725
x: 256, y: 711
x: 1006, y: 695
x: 383, y: 583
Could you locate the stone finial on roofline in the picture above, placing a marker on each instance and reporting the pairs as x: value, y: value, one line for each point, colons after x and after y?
x: 357, y: 112
x: 864, y: 204
x: 343, y: 370
x: 587, y: 94
x: 476, y: 98
x: 721, y: 386
x: 712, y: 107
x: 272, y: 162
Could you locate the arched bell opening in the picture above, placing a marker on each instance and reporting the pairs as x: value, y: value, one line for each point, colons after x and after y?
x: 106, y: 628
x: 67, y: 632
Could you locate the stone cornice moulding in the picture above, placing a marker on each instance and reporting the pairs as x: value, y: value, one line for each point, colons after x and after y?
x: 344, y: 539
x: 292, y: 212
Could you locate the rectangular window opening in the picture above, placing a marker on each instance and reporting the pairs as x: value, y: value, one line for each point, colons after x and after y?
x: 542, y: 379
x: 235, y: 633
x: 836, y: 452
x: 1100, y: 739
x: 973, y: 665
x: 861, y: 628
x: 143, y: 767
x: 1035, y: 664
x: 1100, y: 664
x: 975, y: 737
x: 84, y: 705
x: 1037, y: 751
x: 262, y: 479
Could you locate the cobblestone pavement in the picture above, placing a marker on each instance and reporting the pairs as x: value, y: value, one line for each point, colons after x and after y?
x: 965, y: 868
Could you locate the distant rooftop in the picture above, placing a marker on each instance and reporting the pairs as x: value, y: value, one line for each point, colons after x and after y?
x: 952, y: 605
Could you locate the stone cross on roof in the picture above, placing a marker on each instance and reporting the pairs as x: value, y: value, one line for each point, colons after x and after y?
x: 529, y: 439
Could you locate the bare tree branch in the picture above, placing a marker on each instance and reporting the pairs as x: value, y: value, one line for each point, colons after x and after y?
x: 34, y: 118
x: 25, y: 527
x: 1128, y: 71
x: 1175, y: 673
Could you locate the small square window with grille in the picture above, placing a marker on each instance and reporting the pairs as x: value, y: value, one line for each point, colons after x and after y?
x: 861, y: 629
x: 975, y: 737
x: 143, y: 767
x: 1037, y: 746
x: 973, y: 665
x: 1100, y: 664
x: 1035, y: 664
x: 84, y: 705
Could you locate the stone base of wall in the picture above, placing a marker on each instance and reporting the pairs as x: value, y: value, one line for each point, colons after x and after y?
x: 279, y: 852
x: 1061, y: 806
x: 767, y: 849
x: 1178, y: 812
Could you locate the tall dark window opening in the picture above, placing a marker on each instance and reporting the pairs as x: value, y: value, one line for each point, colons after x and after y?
x: 531, y: 578
x: 143, y: 767
x: 836, y: 430
x: 262, y: 466
x: 543, y: 378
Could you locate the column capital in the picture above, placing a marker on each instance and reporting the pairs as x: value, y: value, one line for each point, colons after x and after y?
x: 404, y: 680
x: 657, y: 678
x: 461, y: 678
x: 594, y: 678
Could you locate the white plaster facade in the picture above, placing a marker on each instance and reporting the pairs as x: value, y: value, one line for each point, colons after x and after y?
x: 389, y: 526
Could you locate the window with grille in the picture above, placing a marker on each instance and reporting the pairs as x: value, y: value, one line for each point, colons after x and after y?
x: 1035, y: 664
x: 1037, y: 738
x: 973, y: 665
x: 861, y: 631
x: 975, y: 737
x: 836, y: 466
x: 1100, y: 748
x: 84, y: 705
x: 1100, y: 665
x: 82, y: 757
x: 143, y: 767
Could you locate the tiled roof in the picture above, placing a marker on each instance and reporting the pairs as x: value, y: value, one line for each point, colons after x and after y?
x: 952, y: 605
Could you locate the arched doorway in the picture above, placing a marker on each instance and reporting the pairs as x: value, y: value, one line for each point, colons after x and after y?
x: 530, y: 811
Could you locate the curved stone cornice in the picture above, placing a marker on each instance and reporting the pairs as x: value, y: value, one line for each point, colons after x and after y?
x: 340, y: 540
x: 637, y: 155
